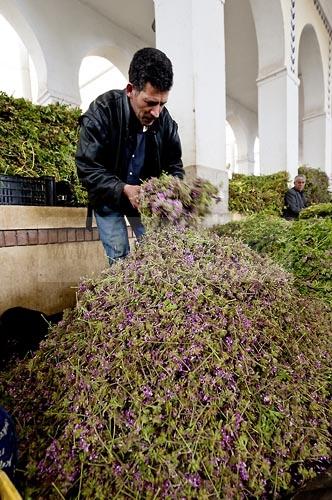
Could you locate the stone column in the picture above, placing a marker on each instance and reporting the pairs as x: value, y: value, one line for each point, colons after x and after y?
x: 316, y: 140
x: 278, y: 122
x: 191, y: 33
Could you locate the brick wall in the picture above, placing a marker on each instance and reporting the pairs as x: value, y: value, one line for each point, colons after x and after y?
x: 25, y: 237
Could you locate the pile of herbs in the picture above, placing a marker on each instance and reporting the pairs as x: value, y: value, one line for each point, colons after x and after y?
x: 169, y: 200
x: 319, y: 210
x: 190, y: 369
x: 39, y: 140
x: 303, y: 247
x: 250, y: 194
x: 316, y: 186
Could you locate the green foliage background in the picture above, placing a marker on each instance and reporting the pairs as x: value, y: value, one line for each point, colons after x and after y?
x: 303, y: 247
x: 39, y: 140
x: 316, y: 185
x: 249, y: 194
x: 319, y: 210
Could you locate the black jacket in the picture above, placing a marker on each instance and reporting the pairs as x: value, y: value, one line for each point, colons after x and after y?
x: 101, y: 153
x: 295, y: 201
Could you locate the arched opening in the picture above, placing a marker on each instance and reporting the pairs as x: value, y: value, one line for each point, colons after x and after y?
x: 231, y: 151
x: 312, y: 114
x: 241, y: 55
x: 18, y: 73
x: 96, y: 76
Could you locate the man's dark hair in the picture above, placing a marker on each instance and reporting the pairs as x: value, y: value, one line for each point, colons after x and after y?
x: 153, y: 66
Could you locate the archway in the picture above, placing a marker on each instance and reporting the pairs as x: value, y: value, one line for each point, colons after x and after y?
x: 18, y: 72
x: 96, y: 76
x: 103, y: 68
x: 244, y: 126
x: 13, y: 15
x: 241, y: 54
x: 312, y: 112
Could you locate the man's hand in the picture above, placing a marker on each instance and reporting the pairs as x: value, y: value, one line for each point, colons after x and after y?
x: 132, y: 193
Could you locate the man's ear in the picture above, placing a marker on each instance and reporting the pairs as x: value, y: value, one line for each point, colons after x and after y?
x: 129, y: 89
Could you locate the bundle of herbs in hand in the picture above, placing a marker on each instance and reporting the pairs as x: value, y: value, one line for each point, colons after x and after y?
x: 168, y: 199
x: 191, y: 369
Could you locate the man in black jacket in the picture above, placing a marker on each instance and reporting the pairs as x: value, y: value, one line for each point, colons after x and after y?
x: 126, y: 137
x: 295, y: 200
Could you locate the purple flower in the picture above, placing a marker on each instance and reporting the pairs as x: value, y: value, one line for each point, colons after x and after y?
x: 227, y: 439
x: 242, y: 471
x: 147, y: 393
x: 129, y: 418
x: 238, y: 420
x: 229, y: 342
x: 246, y: 322
x: 194, y: 479
x: 117, y: 469
x: 189, y: 258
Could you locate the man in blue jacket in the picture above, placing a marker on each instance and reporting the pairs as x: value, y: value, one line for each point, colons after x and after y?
x: 295, y: 200
x: 126, y: 137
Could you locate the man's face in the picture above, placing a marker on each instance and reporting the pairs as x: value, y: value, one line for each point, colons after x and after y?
x: 147, y: 103
x: 299, y: 184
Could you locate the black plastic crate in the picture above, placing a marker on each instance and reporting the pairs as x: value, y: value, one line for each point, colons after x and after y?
x: 17, y: 190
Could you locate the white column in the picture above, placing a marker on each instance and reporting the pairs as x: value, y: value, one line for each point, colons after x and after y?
x: 316, y: 143
x: 278, y: 122
x: 191, y: 33
x: 246, y: 164
x: 25, y: 72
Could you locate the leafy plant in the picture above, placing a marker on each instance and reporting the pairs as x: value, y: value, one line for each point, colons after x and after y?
x: 39, y: 140
x: 303, y: 247
x: 249, y: 194
x: 316, y: 187
x: 319, y: 210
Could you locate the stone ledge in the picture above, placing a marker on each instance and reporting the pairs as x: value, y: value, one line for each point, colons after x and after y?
x: 40, y: 217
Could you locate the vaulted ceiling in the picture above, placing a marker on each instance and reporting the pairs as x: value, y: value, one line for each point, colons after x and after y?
x: 137, y: 17
x: 133, y: 16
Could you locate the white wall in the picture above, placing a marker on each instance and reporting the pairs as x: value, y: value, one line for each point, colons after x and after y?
x: 67, y: 32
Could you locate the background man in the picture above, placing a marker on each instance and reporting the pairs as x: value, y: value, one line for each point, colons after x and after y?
x: 126, y: 137
x: 295, y: 200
